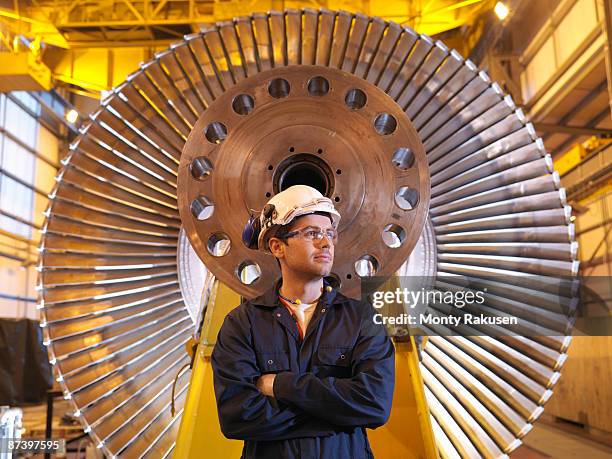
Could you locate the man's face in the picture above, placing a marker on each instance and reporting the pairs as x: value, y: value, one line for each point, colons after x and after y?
x: 314, y: 257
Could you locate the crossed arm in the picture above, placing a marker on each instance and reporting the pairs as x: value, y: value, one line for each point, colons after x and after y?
x: 245, y: 413
x: 287, y: 405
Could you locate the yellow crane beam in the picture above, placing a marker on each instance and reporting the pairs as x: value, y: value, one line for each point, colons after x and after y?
x: 101, y: 42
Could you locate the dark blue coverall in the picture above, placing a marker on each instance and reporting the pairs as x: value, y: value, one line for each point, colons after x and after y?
x: 328, y: 387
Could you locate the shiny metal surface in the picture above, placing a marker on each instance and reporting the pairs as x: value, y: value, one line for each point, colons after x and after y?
x: 192, y: 276
x: 116, y: 302
x: 361, y: 157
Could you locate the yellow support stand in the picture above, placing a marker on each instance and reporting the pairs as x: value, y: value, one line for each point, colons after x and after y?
x: 200, y: 434
x: 407, y: 435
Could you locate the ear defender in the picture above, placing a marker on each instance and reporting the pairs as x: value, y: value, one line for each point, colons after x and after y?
x: 251, y: 231
x: 269, y: 214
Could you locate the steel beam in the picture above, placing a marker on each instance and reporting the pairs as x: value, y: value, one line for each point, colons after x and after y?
x: 580, y: 105
x: 575, y: 130
x: 591, y: 124
x: 13, y: 257
x: 19, y: 219
x: 17, y: 298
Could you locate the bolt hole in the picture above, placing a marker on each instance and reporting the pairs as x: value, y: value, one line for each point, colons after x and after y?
x: 385, y: 124
x: 403, y: 158
x: 279, y: 88
x: 406, y: 198
x: 202, y: 208
x: 337, y: 199
x: 338, y: 171
x: 215, y: 132
x: 218, y: 244
x: 248, y: 272
x: 349, y: 276
x: 292, y: 149
x: 366, y: 266
x: 393, y: 236
x: 318, y: 86
x: 270, y: 167
x: 320, y: 150
x: 268, y: 194
x: 355, y: 99
x: 243, y: 104
x: 200, y: 168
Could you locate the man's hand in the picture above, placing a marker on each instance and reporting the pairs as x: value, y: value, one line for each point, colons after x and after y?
x: 265, y: 384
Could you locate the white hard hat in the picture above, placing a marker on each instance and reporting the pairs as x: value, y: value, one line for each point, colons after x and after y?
x: 291, y: 203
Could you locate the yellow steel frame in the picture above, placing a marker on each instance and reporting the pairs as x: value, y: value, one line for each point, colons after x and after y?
x: 80, y: 29
x: 429, y: 16
x: 408, y: 434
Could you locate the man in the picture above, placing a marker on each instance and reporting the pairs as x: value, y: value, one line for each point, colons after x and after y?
x: 302, y: 370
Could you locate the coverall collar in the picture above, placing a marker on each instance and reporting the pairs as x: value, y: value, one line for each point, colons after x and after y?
x: 270, y: 298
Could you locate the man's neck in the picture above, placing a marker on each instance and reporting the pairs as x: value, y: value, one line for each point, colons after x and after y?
x: 297, y: 287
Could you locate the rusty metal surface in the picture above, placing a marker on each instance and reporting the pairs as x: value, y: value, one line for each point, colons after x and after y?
x: 317, y: 139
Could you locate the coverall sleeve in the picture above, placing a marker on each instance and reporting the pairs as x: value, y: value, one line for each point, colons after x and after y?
x: 244, y: 412
x: 363, y: 400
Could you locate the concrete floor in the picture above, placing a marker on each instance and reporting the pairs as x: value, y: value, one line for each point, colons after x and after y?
x: 543, y: 442
x: 546, y: 441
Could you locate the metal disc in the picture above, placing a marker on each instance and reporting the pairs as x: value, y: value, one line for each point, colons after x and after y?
x: 308, y: 125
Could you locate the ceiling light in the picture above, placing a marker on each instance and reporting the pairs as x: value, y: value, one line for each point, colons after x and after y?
x: 501, y: 10
x: 72, y: 116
